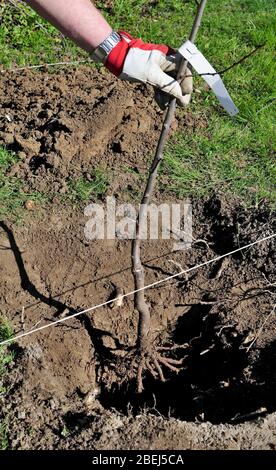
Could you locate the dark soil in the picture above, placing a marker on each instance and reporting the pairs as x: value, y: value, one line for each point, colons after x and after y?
x: 69, y: 386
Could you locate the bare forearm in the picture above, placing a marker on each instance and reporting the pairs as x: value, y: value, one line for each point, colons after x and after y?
x: 77, y: 19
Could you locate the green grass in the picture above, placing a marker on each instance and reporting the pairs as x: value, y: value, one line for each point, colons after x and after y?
x: 12, y: 194
x: 6, y: 357
x: 3, y: 436
x: 82, y: 189
x: 26, y: 39
x: 232, y: 159
x: 233, y: 155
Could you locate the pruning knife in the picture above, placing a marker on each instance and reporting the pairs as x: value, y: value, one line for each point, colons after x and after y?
x: 201, y: 65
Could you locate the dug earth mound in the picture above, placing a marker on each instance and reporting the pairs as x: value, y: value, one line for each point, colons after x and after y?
x: 69, y: 386
x: 63, y: 125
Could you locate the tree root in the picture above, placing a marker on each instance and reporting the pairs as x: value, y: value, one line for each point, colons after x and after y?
x: 153, y: 362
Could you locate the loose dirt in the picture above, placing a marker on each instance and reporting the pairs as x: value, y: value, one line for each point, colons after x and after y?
x: 70, y: 122
x: 65, y: 124
x: 69, y: 386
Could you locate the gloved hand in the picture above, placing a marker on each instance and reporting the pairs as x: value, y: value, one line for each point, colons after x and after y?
x: 156, y: 64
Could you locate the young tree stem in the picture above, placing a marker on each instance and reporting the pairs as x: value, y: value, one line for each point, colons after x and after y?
x: 140, y: 303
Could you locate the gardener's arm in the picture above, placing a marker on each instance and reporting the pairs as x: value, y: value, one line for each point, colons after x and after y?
x: 128, y: 58
x: 77, y: 19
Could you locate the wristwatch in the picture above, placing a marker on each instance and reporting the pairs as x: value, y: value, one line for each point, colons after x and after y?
x: 101, y: 53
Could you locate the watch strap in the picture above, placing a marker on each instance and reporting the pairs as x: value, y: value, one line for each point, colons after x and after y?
x: 101, y: 53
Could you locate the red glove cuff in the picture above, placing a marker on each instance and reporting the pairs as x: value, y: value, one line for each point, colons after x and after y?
x: 116, y: 58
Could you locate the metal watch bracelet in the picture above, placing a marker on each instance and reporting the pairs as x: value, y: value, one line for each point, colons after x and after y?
x: 101, y: 53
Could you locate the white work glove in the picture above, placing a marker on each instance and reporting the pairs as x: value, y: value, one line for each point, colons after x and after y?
x: 155, y: 64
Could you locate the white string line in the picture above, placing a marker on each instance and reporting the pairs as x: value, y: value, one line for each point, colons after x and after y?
x: 128, y: 294
x: 76, y: 62
x: 29, y: 67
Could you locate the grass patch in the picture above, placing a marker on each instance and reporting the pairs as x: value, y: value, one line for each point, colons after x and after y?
x: 83, y: 189
x: 3, y: 436
x: 12, y: 194
x: 6, y: 357
x: 232, y: 160
x: 26, y: 39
